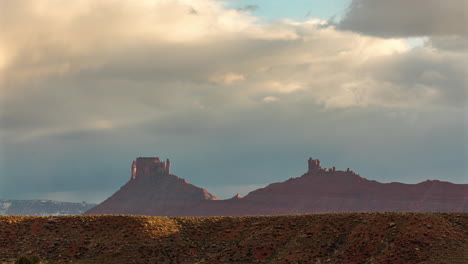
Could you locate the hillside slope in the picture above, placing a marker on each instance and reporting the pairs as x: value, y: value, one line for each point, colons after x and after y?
x: 317, y: 238
x: 152, y: 190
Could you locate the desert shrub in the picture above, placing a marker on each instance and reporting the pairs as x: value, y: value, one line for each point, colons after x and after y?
x: 28, y: 260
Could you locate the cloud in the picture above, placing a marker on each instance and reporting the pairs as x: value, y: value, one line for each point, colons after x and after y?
x: 449, y: 43
x: 106, y: 81
x: 68, y: 69
x: 407, y: 18
x: 269, y: 99
x: 228, y: 78
x: 249, y: 8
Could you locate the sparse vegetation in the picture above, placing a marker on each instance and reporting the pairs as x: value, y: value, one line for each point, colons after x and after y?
x: 28, y: 260
x: 317, y: 238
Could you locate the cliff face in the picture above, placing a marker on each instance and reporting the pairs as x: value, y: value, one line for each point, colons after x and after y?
x: 152, y: 190
x: 143, y: 168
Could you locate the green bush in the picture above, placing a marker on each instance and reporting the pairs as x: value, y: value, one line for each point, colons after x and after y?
x: 28, y: 260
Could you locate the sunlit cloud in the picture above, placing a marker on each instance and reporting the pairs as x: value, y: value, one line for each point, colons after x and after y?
x: 269, y: 99
x: 108, y: 50
x: 228, y: 78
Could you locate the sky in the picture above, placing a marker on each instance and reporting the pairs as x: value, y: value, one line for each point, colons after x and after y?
x: 299, y: 10
x: 238, y: 94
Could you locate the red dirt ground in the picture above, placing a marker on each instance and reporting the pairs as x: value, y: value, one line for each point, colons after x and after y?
x: 316, y: 238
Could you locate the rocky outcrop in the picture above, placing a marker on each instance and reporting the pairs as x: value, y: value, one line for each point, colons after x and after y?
x: 152, y: 190
x: 237, y: 197
x: 313, y: 165
x: 331, y: 190
x: 146, y: 167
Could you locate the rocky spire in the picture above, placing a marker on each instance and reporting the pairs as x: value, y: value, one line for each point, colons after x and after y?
x: 237, y: 196
x: 134, y: 169
x: 313, y: 165
x: 168, y: 167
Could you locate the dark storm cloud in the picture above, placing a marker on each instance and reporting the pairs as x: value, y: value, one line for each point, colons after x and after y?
x: 407, y: 18
x: 449, y: 43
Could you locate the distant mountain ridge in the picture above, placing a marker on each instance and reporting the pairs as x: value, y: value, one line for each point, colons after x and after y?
x: 42, y: 207
x: 152, y: 190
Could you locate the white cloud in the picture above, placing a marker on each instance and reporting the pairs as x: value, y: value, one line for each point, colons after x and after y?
x: 285, y: 87
x: 269, y: 99
x: 66, y: 68
x: 228, y: 78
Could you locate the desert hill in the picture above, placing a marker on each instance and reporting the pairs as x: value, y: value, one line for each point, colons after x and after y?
x: 317, y: 238
x: 153, y: 190
x: 42, y: 207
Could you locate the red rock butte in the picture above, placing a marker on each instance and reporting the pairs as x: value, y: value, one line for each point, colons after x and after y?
x: 147, y: 167
x: 153, y: 190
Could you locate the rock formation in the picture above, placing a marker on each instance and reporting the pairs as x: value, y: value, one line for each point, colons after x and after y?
x: 237, y: 197
x: 145, y: 167
x: 152, y: 190
x: 314, y: 165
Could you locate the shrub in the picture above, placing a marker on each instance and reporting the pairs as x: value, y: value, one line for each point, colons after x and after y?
x: 28, y: 260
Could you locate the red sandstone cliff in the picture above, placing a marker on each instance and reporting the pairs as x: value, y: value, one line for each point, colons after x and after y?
x: 152, y: 190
